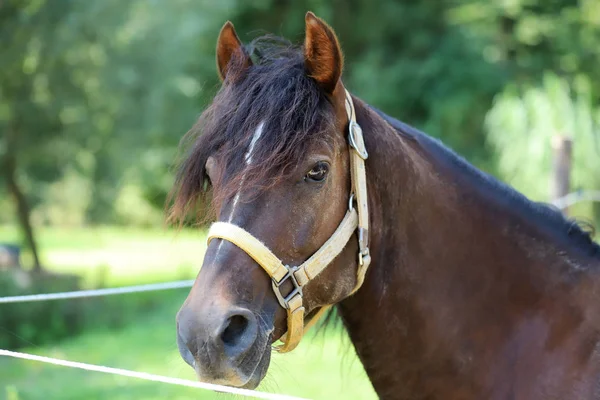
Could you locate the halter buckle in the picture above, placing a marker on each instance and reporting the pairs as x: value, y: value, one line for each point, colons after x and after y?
x: 284, y: 301
x: 363, y: 252
x: 364, y: 257
x: 354, y: 130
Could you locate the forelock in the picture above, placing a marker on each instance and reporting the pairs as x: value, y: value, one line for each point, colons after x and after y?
x: 275, y: 91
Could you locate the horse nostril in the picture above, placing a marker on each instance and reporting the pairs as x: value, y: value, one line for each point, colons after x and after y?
x: 236, y: 325
x: 238, y: 332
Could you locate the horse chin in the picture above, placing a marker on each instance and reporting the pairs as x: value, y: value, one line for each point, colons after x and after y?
x: 260, y: 371
x: 248, y: 374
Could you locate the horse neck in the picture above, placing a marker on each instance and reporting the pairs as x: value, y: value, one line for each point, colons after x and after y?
x: 429, y: 286
x: 385, y: 308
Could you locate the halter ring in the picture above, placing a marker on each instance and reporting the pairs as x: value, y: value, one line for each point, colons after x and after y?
x: 354, y: 128
x: 351, y: 202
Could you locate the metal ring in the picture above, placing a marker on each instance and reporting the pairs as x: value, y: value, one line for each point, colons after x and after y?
x: 362, y: 153
x: 351, y: 202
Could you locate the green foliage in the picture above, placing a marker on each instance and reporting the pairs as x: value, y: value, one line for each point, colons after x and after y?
x: 109, y: 83
x: 523, y: 122
x: 102, y: 92
x: 407, y: 58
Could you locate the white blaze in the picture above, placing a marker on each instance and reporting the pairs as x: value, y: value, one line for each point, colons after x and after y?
x: 248, y: 158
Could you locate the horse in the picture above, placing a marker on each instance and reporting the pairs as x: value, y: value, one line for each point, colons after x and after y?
x: 450, y: 284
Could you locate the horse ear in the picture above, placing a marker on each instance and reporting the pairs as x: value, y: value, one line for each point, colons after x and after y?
x: 229, y: 47
x: 323, y: 57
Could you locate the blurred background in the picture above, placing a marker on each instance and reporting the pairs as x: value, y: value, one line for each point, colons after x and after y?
x: 95, y: 96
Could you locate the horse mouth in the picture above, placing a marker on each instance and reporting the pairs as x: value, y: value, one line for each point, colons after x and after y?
x: 246, y: 373
x: 260, y: 371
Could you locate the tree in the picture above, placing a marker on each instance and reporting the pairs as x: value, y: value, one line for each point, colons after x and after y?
x: 101, y: 92
x: 28, y: 117
x: 523, y: 122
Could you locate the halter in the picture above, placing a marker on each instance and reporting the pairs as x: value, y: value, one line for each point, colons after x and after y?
x: 356, y: 219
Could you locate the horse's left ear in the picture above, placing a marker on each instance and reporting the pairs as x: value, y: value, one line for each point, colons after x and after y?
x: 323, y: 57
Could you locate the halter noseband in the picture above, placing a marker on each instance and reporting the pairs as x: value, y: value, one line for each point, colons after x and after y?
x: 356, y: 219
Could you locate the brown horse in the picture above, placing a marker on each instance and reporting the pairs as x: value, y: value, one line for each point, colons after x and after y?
x: 474, y: 292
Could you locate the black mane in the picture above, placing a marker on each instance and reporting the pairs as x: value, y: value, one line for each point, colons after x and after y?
x: 276, y: 90
x: 540, y: 214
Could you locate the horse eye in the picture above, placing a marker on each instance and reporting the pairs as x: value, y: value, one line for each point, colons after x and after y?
x: 318, y: 173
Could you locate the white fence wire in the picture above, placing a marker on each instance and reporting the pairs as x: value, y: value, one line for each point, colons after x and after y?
x: 562, y: 203
x: 149, y: 377
x: 97, y: 292
x: 576, y: 197
x: 123, y: 372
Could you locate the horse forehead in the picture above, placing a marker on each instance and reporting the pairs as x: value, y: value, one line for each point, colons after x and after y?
x: 255, y: 136
x: 233, y: 210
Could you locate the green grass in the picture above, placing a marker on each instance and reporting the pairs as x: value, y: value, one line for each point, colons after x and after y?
x: 118, y: 256
x: 324, y: 366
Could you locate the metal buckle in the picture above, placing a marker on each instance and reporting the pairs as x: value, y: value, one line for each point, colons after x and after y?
x: 362, y: 256
x: 363, y: 249
x: 285, y: 300
x: 353, y: 129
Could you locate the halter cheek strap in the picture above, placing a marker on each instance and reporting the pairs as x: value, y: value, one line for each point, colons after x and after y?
x: 356, y: 219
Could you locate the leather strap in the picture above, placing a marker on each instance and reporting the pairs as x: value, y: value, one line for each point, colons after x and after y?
x: 277, y: 271
x: 356, y: 219
x: 359, y: 186
x: 295, y: 324
x: 251, y: 245
x: 271, y: 264
x: 322, y: 311
x: 329, y: 251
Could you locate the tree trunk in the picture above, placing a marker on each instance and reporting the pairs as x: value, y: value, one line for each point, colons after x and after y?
x: 23, y: 211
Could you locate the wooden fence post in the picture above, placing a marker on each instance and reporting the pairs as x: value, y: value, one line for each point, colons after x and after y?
x: 562, y: 148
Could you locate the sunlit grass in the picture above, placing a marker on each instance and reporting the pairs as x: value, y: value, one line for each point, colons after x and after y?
x: 324, y: 366
x: 117, y: 256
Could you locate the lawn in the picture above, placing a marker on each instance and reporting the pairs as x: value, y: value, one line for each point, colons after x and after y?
x: 324, y: 366
x: 118, y: 255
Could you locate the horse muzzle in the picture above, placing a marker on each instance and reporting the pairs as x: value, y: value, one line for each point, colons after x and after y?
x: 225, y: 347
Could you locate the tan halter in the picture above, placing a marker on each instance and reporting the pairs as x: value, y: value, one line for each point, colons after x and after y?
x: 355, y: 219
